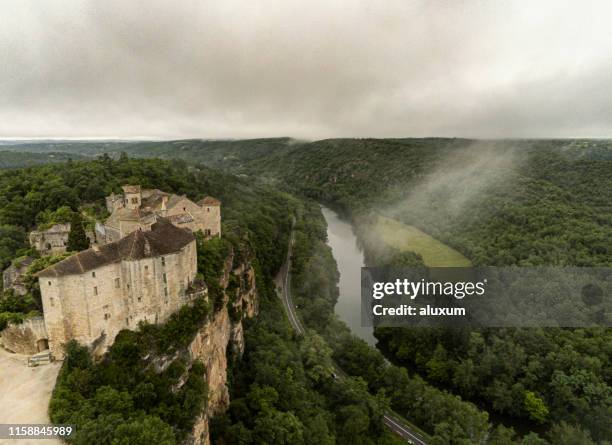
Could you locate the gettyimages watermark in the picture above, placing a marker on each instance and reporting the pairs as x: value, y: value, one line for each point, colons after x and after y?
x: 486, y: 297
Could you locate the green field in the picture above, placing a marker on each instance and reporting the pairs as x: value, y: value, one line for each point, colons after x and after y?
x: 406, y: 237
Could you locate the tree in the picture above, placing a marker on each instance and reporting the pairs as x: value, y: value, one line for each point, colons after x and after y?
x: 277, y: 428
x: 536, y: 407
x: 77, y: 240
x: 144, y: 431
x: 12, y: 239
x: 566, y: 434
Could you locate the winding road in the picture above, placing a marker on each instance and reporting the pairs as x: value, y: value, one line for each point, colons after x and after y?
x: 283, y: 281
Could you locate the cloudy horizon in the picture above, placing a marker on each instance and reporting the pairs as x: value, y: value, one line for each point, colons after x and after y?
x: 235, y: 69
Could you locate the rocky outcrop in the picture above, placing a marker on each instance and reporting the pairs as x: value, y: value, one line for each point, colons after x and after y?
x: 221, y: 334
x: 12, y: 277
x: 29, y: 337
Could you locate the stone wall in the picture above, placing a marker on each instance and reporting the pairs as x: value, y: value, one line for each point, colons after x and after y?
x: 51, y: 241
x: 96, y: 305
x: 54, y: 240
x: 29, y: 337
x: 211, y: 217
x: 207, y: 218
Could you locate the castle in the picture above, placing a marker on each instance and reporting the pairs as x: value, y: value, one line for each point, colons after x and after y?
x: 142, y: 267
x: 139, y: 209
x: 94, y: 294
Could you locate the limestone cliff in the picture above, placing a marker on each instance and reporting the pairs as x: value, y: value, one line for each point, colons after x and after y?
x: 223, y: 333
x: 26, y: 338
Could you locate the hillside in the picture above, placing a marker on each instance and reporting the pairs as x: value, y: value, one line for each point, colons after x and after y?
x: 16, y: 159
x: 540, y: 202
x: 161, y: 383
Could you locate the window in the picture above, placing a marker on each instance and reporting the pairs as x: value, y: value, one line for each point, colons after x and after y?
x: 146, y: 267
x: 95, y: 290
x: 134, y: 200
x: 106, y: 316
x: 49, y: 283
x: 93, y: 275
x: 163, y: 261
x: 208, y: 209
x: 165, y: 278
x: 117, y: 283
x: 166, y: 291
x: 51, y: 300
x: 139, y: 298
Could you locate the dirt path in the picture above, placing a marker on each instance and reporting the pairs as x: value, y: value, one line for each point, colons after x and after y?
x: 25, y: 394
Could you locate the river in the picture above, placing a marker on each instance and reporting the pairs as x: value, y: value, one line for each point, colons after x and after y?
x: 349, y: 257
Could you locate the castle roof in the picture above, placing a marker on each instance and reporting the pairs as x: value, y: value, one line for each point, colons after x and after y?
x: 163, y: 239
x: 125, y: 214
x: 181, y: 218
x: 209, y: 201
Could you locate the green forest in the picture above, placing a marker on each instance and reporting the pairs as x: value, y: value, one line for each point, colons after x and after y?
x: 282, y: 390
x: 525, y: 202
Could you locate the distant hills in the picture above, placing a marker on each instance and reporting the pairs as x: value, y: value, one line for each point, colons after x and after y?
x: 18, y: 159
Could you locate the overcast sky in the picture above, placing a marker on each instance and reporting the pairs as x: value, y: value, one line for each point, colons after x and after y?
x: 308, y: 69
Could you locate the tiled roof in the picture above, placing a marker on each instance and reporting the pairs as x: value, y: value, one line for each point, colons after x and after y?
x: 125, y: 214
x: 181, y: 218
x: 163, y: 239
x: 152, y: 198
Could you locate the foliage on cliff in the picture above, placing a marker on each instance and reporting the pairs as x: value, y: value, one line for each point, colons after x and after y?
x: 283, y: 390
x: 124, y: 397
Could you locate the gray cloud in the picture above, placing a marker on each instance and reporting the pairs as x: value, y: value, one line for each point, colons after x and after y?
x: 305, y: 69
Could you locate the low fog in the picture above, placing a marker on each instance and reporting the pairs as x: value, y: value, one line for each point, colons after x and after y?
x: 444, y: 198
x: 317, y: 69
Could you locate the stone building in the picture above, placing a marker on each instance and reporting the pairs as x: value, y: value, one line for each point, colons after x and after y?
x: 92, y: 295
x: 54, y: 240
x: 12, y: 277
x: 51, y: 241
x: 139, y: 208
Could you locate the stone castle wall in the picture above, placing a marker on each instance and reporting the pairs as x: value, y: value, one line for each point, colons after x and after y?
x: 96, y: 305
x: 211, y: 219
x: 54, y: 240
x: 50, y: 243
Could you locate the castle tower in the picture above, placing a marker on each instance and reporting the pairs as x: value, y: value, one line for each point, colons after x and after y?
x: 132, y: 196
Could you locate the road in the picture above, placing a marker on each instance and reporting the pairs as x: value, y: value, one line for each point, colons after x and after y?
x: 283, y: 281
